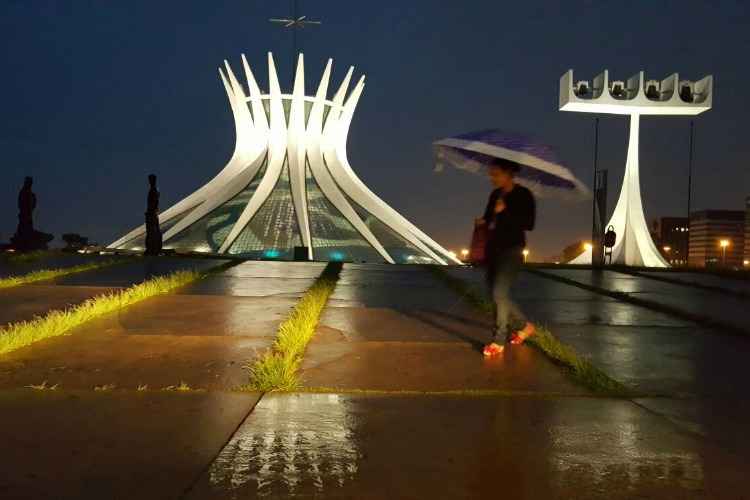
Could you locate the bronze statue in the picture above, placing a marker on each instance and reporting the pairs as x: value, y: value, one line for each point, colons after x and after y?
x: 153, y: 233
x: 26, y: 238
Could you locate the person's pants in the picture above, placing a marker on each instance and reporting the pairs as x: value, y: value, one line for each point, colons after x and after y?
x: 501, y: 272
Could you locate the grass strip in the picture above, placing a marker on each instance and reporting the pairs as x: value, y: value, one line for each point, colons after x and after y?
x: 19, y: 257
x: 54, y: 323
x: 47, y: 274
x: 582, y: 370
x: 276, y: 369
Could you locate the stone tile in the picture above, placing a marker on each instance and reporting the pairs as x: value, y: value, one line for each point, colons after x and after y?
x: 372, y: 447
x: 114, y: 445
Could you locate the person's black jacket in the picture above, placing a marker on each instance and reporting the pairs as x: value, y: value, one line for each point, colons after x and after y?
x: 507, y: 229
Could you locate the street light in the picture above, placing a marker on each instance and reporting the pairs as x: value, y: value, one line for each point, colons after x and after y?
x: 723, y: 244
x: 464, y: 253
x: 525, y: 254
x: 587, y: 246
x: 746, y: 262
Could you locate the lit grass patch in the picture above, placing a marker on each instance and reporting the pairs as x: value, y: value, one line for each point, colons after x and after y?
x: 277, y: 368
x: 54, y: 323
x: 579, y: 367
x: 44, y: 386
x: 47, y: 274
x: 181, y: 387
x: 18, y: 257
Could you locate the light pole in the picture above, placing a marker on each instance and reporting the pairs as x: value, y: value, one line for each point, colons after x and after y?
x: 525, y: 254
x: 724, y: 244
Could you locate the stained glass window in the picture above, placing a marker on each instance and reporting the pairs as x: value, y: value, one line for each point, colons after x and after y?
x: 273, y: 232
x: 333, y: 236
x: 209, y: 232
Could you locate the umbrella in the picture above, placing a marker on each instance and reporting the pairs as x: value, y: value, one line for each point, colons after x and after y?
x: 541, y: 171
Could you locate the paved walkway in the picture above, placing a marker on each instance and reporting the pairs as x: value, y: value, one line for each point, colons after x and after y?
x: 396, y: 329
x: 699, y: 372
x: 202, y: 336
x: 22, y: 303
x: 388, y: 334
x: 392, y: 328
x: 54, y: 260
x: 728, y: 309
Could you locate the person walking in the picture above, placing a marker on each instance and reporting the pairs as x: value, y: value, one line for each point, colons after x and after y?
x: 510, y: 212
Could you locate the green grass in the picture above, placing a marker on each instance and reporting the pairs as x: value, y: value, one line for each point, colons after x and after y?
x: 54, y: 323
x: 277, y: 368
x: 18, y: 257
x: 581, y: 369
x: 46, y: 274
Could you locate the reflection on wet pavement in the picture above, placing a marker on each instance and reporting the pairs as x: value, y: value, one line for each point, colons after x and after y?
x: 289, y: 444
x: 729, y: 309
x: 348, y: 446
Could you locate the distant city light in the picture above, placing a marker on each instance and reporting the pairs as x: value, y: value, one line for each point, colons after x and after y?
x: 746, y: 262
x: 588, y: 246
x: 464, y: 253
x: 525, y: 253
x: 724, y: 243
x: 667, y: 248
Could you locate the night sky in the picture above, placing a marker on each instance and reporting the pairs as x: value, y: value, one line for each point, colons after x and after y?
x: 96, y: 95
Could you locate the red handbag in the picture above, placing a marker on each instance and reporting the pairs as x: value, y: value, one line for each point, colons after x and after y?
x: 478, y: 244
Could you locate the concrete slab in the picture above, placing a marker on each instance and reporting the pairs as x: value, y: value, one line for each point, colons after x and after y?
x: 338, y: 446
x: 54, y: 260
x: 85, y: 360
x: 22, y: 303
x: 118, y: 445
x: 282, y: 288
x: 426, y: 366
x: 201, y: 315
x: 125, y: 275
x: 728, y: 309
x: 203, y: 341
x: 735, y: 285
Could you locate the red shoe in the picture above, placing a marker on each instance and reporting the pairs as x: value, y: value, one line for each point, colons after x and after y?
x: 520, y: 337
x: 492, y: 349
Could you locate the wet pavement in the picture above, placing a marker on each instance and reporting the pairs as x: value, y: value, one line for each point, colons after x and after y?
x: 405, y: 331
x: 411, y: 409
x: 114, y: 445
x: 54, y: 260
x: 22, y: 303
x: 358, y: 446
x: 721, y: 307
x: 735, y: 285
x: 202, y: 340
x: 698, y: 372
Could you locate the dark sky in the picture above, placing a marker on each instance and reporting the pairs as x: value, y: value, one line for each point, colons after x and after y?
x: 96, y: 95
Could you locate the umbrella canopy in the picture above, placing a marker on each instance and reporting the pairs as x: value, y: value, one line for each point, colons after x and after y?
x: 541, y: 171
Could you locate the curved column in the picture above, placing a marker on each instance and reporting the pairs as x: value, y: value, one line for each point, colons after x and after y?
x: 319, y: 171
x: 296, y: 149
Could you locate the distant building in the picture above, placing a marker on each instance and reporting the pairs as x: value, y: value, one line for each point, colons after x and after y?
x: 673, y: 239
x: 708, y: 229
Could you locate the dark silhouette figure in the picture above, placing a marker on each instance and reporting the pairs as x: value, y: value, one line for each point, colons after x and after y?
x: 153, y: 233
x: 26, y: 237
